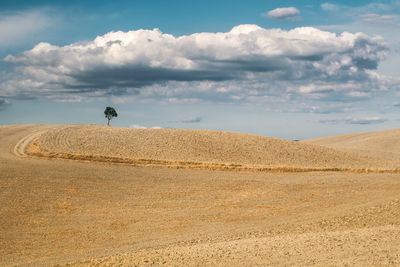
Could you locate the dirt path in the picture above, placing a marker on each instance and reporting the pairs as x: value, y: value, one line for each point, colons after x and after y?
x: 59, y: 212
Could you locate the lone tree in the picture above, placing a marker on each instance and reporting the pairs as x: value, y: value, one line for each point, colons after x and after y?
x: 109, y: 114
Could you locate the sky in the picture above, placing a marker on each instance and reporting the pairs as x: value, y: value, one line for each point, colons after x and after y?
x: 289, y: 69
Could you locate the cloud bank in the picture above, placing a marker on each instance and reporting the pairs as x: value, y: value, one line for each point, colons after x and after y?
x: 248, y: 63
x: 283, y: 13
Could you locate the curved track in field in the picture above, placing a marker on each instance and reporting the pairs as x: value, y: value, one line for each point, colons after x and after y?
x: 199, y: 149
x: 21, y: 146
x: 58, y: 212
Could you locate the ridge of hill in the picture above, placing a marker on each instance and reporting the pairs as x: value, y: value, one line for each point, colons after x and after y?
x: 383, y: 144
x: 183, y: 148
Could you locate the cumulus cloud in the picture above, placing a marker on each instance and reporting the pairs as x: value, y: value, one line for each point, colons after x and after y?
x: 248, y: 63
x: 359, y: 121
x: 373, y: 18
x: 284, y: 13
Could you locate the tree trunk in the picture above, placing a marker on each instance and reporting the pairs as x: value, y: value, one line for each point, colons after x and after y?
x: 108, y: 122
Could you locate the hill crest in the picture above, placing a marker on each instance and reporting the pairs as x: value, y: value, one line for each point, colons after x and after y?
x: 195, y: 149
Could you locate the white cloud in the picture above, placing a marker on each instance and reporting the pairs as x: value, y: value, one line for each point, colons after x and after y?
x: 366, y: 120
x: 283, y: 13
x: 19, y: 26
x: 329, y: 7
x: 137, y: 126
x: 373, y: 18
x: 359, y: 120
x: 246, y: 64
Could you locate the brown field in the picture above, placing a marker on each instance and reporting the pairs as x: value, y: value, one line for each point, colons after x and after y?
x: 384, y: 144
x: 199, y: 149
x: 93, y: 212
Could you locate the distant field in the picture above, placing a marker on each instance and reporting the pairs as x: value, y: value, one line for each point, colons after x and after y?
x: 56, y: 212
x: 198, y: 149
x: 383, y: 144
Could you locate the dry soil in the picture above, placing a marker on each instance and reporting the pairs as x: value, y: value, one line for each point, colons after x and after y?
x: 83, y: 213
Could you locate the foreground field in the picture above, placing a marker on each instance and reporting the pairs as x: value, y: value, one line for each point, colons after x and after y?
x: 64, y: 212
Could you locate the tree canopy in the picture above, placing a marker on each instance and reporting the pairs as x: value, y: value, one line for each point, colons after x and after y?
x: 110, y: 113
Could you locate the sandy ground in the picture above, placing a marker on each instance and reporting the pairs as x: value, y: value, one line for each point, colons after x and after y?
x: 384, y: 144
x: 198, y: 149
x: 64, y: 212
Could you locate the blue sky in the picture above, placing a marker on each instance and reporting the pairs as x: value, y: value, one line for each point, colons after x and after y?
x: 247, y: 66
